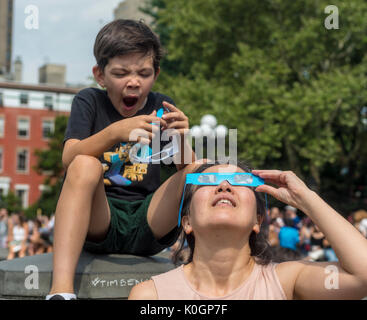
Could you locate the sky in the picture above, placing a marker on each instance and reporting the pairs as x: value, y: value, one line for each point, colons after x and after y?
x: 65, y: 35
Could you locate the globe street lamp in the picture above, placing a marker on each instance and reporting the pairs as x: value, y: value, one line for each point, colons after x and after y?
x: 207, y: 133
x: 208, y: 128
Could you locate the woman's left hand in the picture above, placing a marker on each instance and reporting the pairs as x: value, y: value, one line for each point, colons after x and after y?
x: 290, y: 189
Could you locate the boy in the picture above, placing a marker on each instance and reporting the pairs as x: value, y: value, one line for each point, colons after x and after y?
x: 118, y: 206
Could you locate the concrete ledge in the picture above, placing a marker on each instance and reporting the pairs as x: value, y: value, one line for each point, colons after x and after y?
x: 97, y: 276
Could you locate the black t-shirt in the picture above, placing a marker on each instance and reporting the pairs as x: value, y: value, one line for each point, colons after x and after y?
x: 93, y: 111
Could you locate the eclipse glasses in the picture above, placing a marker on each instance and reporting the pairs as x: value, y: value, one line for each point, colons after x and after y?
x: 245, y: 179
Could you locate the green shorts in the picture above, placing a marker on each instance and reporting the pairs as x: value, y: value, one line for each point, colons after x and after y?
x: 129, y: 232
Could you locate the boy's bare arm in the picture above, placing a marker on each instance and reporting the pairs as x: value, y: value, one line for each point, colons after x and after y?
x: 119, y: 131
x: 94, y: 146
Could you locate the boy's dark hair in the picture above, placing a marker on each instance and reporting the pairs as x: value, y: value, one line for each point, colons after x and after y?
x: 121, y: 36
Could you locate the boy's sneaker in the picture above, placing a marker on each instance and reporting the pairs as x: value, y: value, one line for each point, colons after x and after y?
x: 61, y: 296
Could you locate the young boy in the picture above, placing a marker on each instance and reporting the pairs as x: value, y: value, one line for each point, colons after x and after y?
x: 107, y: 203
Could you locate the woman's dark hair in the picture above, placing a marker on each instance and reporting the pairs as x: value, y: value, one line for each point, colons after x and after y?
x: 260, y: 248
x: 121, y: 37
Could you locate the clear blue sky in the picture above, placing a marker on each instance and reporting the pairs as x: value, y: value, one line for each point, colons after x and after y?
x: 66, y: 34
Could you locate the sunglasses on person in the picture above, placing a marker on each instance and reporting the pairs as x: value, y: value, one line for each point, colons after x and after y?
x: 245, y: 179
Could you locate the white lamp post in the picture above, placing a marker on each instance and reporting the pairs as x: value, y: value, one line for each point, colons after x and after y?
x: 221, y: 131
x: 208, y: 128
x: 209, y: 131
x: 209, y: 120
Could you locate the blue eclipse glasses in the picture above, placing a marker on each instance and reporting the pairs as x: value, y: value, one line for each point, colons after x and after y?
x: 143, y: 154
x: 245, y: 179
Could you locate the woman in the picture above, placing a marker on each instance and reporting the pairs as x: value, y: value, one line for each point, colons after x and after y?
x: 37, y: 245
x: 317, y: 244
x: 229, y: 259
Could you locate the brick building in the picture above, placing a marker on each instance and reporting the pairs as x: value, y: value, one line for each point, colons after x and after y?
x: 6, y: 33
x: 27, y: 114
x: 130, y: 9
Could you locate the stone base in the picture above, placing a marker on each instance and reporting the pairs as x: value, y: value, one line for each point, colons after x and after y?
x: 97, y: 276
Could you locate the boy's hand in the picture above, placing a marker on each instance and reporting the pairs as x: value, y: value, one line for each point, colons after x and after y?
x: 176, y: 119
x: 139, y: 128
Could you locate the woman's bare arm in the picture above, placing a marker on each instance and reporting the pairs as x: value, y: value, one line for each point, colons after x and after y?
x: 311, y: 281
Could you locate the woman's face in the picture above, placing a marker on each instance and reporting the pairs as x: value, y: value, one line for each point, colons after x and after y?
x: 222, y: 206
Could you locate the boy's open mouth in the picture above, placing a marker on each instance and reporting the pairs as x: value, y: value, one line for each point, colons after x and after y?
x: 130, y: 101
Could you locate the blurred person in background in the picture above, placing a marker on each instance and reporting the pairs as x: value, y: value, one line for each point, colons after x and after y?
x: 3, y: 227
x: 291, y: 213
x: 47, y: 230
x: 276, y: 222
x: 37, y: 245
x: 360, y: 221
x: 317, y: 252
x: 289, y: 243
x: 289, y: 235
x: 329, y: 251
x: 305, y: 236
x: 17, y: 236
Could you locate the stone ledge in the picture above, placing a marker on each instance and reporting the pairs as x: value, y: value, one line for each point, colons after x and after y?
x: 97, y: 276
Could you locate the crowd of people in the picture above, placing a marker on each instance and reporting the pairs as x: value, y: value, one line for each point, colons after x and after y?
x: 291, y: 237
x: 294, y: 238
x: 25, y: 237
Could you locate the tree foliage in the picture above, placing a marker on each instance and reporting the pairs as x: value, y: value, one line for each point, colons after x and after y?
x: 293, y: 89
x: 11, y: 202
x: 50, y: 161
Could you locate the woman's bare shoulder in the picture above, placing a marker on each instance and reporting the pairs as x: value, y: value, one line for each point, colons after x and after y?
x: 144, y: 291
x: 287, y: 273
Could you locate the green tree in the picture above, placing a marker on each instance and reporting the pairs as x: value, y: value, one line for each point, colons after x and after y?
x: 11, y: 202
x: 155, y: 8
x: 294, y: 90
x: 50, y: 161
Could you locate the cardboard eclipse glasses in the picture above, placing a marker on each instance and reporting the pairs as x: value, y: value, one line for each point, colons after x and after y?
x: 245, y: 179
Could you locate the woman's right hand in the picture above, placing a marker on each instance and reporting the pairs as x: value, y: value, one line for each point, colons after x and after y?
x: 289, y: 188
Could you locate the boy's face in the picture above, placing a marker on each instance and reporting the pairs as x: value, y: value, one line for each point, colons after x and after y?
x: 128, y: 79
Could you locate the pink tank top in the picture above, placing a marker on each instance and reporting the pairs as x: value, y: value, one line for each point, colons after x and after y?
x: 262, y: 284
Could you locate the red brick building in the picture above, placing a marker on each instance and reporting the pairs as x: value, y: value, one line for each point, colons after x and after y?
x: 27, y: 114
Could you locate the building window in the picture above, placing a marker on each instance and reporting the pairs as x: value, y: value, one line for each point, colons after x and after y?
x: 1, y: 159
x: 48, y: 102
x: 47, y: 128
x: 23, y: 128
x: 24, y: 98
x: 2, y: 126
x: 22, y: 191
x: 22, y: 160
